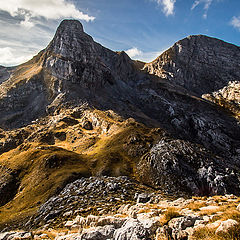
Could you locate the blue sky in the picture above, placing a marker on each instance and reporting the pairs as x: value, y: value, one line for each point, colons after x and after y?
x: 142, y: 28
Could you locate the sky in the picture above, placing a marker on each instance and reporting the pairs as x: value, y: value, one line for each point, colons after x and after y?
x: 141, y: 28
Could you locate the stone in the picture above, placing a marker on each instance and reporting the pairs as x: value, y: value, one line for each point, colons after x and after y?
x: 132, y: 229
x: 15, y: 235
x: 44, y: 236
x: 238, y: 207
x: 209, y: 208
x: 215, y: 224
x: 69, y: 224
x: 97, y: 233
x: 109, y: 220
x: 179, y: 225
x: 225, y: 226
x: 151, y: 224
x: 143, y: 198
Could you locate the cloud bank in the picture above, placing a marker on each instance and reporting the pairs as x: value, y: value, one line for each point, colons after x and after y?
x: 49, y: 9
x: 8, y: 57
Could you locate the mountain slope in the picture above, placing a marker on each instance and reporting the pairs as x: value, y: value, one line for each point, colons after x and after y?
x: 78, y: 109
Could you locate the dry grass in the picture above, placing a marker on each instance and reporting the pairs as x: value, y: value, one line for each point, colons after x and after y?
x: 41, y: 176
x: 170, y: 213
x: 196, y: 205
x: 209, y: 212
x: 231, y: 213
x: 206, y: 233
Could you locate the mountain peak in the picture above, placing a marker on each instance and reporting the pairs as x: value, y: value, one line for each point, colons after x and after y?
x: 69, y: 25
x: 70, y: 40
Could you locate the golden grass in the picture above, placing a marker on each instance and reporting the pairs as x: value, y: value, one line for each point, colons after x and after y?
x: 170, y: 213
x: 206, y: 233
x: 231, y: 213
x: 45, y: 169
x: 195, y: 206
x: 40, y: 179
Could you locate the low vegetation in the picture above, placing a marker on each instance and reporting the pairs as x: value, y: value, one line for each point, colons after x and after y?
x: 170, y: 213
x: 47, y: 160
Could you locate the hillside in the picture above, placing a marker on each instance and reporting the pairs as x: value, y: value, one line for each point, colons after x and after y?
x: 79, y: 110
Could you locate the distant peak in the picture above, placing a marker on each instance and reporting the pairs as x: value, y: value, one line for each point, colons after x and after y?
x: 70, y: 25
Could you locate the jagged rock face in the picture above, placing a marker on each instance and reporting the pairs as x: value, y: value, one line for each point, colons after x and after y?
x: 200, y: 64
x: 189, y: 167
x: 72, y: 68
x: 9, y: 183
x: 74, y: 58
x: 4, y: 73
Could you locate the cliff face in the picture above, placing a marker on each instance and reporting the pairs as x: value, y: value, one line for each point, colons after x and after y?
x: 78, y: 109
x: 72, y: 68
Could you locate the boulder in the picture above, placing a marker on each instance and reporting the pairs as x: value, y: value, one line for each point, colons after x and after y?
x: 132, y: 229
x: 143, y: 198
x: 225, y: 226
x: 178, y: 226
x: 97, y: 233
x: 109, y: 220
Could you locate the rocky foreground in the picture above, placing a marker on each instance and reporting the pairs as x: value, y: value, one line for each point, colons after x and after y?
x: 122, y: 215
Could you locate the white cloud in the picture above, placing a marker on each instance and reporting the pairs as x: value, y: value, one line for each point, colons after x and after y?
x: 133, y: 52
x: 149, y: 56
x: 235, y: 22
x: 137, y: 54
x: 168, y: 6
x: 49, y: 9
x: 206, y: 6
x: 9, y: 58
x: 39, y: 18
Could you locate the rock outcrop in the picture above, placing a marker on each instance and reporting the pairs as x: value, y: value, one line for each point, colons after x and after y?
x: 227, y: 97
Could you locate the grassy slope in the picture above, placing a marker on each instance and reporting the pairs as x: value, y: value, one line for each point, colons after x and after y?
x: 44, y: 169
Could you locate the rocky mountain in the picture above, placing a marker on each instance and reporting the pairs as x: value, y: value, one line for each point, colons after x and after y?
x: 78, y: 109
x: 199, y: 63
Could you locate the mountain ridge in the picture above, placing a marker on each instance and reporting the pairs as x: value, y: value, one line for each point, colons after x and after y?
x: 78, y: 109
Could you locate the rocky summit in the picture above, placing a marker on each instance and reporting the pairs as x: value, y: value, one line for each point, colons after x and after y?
x: 95, y: 145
